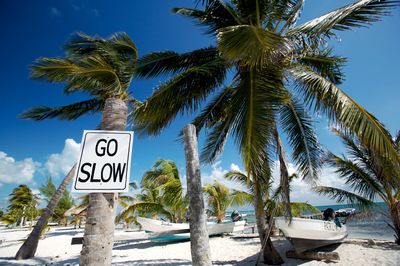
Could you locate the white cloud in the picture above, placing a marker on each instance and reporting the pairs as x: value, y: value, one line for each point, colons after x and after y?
x: 302, y: 191
x: 59, y: 164
x: 54, y: 12
x: 12, y: 171
x: 235, y: 167
x: 217, y: 173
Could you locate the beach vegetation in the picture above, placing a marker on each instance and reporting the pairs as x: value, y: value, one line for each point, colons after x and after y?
x: 278, y: 68
x: 371, y: 175
x: 66, y: 201
x: 161, y: 195
x: 23, y: 207
x: 103, y: 68
x: 271, y: 197
x: 220, y: 198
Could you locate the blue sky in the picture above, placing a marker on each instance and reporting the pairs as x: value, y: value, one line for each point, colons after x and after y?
x: 30, y: 151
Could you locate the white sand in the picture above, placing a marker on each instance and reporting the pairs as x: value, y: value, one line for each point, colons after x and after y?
x: 56, y: 249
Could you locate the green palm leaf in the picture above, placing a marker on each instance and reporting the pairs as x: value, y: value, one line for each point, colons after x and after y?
x: 68, y: 112
x: 298, y: 126
x: 249, y: 43
x: 341, y: 195
x: 216, y: 15
x: 361, y: 181
x: 360, y: 13
x: 181, y: 94
x: 341, y: 107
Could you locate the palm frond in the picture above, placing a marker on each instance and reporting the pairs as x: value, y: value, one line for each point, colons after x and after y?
x: 248, y: 43
x: 216, y: 139
x: 68, y: 112
x: 298, y: 126
x: 357, y: 14
x: 294, y: 15
x: 301, y: 208
x: 238, y: 177
x: 91, y: 73
x: 362, y: 182
x: 183, y: 93
x: 216, y: 15
x: 169, y: 62
x: 325, y: 64
x: 214, y: 112
x: 343, y: 109
x: 341, y: 196
x: 240, y: 198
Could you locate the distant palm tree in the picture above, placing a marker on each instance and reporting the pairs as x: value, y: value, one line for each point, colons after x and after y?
x: 103, y: 68
x: 23, y: 205
x: 271, y: 198
x: 220, y: 198
x: 277, y: 67
x: 66, y: 201
x: 371, y: 174
x: 162, y: 194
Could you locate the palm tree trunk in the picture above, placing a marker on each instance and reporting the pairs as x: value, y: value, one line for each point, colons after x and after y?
x: 199, y: 242
x: 270, y: 254
x: 395, y: 214
x: 98, y: 239
x: 28, y: 249
x: 284, y: 174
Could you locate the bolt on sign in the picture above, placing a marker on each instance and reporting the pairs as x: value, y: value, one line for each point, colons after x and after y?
x: 104, y: 162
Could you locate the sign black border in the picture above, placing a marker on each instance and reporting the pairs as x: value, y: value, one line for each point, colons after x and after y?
x: 80, y: 160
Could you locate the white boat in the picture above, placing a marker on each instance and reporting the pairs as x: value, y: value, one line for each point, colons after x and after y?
x: 309, y: 234
x: 166, y: 228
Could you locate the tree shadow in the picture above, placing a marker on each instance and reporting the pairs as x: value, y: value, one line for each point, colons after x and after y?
x: 11, y: 261
x: 159, y: 262
x: 143, y: 244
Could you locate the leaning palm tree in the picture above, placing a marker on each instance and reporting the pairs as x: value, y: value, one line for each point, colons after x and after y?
x: 370, y: 174
x: 103, y: 68
x: 277, y: 66
x: 220, y: 198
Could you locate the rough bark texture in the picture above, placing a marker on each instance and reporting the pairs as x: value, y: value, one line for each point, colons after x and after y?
x: 270, y: 254
x: 199, y: 244
x: 28, y: 249
x: 99, y: 228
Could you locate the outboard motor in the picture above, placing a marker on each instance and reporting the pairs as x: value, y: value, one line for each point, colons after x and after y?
x: 329, y: 214
x: 236, y: 216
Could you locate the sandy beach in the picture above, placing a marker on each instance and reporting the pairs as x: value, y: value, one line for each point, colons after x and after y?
x: 132, y: 248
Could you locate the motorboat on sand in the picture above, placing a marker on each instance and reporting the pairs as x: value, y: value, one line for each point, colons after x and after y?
x: 309, y: 234
x: 168, y: 228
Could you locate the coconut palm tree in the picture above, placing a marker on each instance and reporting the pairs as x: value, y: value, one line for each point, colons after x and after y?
x: 220, y: 198
x: 370, y: 174
x: 161, y: 194
x: 277, y: 67
x: 103, y: 68
x: 23, y: 205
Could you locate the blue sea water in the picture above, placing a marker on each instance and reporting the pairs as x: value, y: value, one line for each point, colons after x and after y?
x: 373, y: 225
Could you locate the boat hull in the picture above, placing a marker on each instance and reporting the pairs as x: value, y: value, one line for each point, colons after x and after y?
x: 309, y: 234
x: 157, y: 226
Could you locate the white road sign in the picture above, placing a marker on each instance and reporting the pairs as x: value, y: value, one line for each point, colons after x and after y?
x: 104, y: 162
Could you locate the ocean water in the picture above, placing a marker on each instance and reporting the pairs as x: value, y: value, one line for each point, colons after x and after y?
x: 374, y: 225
